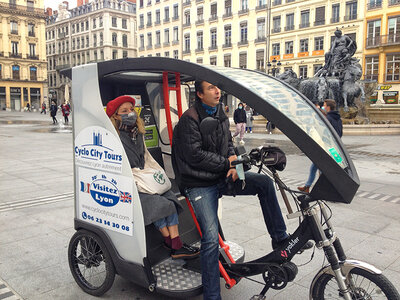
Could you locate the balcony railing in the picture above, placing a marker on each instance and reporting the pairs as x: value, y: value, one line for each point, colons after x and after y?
x: 243, y: 11
x: 392, y: 77
x: 227, y: 45
x: 304, y: 25
x: 276, y: 29
x: 186, y: 51
x: 371, y: 77
x: 212, y: 47
x: 373, y: 42
x: 199, y: 22
x: 319, y: 23
x: 175, y: 43
x: 158, y: 22
x: 166, y: 43
x: 260, y: 39
x: 29, y: 9
x: 1, y: 53
x: 166, y: 20
x: 290, y: 27
x: 186, y: 3
x: 157, y: 45
x: 213, y: 18
x: 394, y: 2
x: 261, y: 7
x: 36, y: 57
x: 141, y: 26
x: 374, y: 5
x: 227, y: 14
x: 277, y: 2
x: 148, y: 24
x: 199, y: 50
x: 383, y: 40
x: 243, y: 42
x: 335, y: 19
x: 186, y: 24
x: 350, y: 17
x: 15, y: 55
x: 31, y: 34
x: 65, y: 66
x: 14, y: 31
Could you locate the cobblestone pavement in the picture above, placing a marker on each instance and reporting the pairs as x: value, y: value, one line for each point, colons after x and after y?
x: 36, y: 213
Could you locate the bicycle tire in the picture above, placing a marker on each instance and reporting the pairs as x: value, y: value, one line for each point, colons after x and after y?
x: 87, y: 251
x: 326, y: 286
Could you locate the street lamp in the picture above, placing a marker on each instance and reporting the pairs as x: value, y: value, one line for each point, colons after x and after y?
x: 274, y: 67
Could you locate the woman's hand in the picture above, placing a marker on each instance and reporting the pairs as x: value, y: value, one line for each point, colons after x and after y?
x: 234, y: 174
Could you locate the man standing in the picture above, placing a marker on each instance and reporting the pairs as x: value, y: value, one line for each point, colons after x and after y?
x: 239, y: 117
x: 334, y: 118
x: 202, y: 158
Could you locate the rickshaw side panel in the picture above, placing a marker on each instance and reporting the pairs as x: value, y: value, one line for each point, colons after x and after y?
x: 88, y: 111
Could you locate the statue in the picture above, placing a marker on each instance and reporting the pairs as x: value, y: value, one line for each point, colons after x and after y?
x: 336, y: 79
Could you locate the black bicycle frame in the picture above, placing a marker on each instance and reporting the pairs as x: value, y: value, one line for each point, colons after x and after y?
x: 306, y: 231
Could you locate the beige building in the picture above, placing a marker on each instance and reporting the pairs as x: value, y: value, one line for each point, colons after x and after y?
x: 23, y: 73
x: 225, y: 33
x: 302, y: 31
x: 159, y: 28
x: 382, y: 52
x: 95, y: 30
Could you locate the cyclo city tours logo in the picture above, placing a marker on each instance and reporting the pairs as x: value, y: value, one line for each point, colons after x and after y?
x: 105, y: 192
x: 159, y: 177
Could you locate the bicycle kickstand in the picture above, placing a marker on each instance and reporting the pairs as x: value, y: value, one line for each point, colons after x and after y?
x: 261, y: 296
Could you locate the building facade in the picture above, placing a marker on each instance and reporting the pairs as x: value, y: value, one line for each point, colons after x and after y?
x: 23, y: 67
x: 303, y: 31
x: 93, y: 31
x: 382, y: 50
x: 159, y: 28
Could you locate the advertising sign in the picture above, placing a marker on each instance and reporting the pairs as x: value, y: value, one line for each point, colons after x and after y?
x: 98, y: 148
x: 105, y: 200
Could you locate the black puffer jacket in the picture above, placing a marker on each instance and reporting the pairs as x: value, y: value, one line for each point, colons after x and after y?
x: 239, y: 116
x: 201, y: 160
x: 336, y: 122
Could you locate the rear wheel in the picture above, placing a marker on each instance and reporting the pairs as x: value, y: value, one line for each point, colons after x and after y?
x: 90, y: 263
x: 362, y: 284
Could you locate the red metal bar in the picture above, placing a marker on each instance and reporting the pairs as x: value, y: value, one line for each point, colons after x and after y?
x: 231, y: 282
x: 166, y: 105
x: 178, y: 93
x: 193, y: 215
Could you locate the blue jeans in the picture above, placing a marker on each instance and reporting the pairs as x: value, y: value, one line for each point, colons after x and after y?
x: 205, y: 204
x: 311, y: 177
x: 171, y: 220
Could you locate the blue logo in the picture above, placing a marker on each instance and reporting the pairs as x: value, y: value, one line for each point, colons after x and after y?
x: 104, y: 192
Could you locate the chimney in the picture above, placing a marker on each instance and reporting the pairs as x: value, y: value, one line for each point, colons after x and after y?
x: 79, y: 3
x: 49, y: 11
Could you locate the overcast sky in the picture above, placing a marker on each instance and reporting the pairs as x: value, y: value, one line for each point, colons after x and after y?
x: 54, y: 3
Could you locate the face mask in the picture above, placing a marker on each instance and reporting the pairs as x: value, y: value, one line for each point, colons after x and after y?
x: 128, y: 120
x: 240, y: 107
x: 323, y: 108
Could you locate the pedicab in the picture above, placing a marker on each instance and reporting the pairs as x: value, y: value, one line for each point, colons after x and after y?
x: 110, y: 234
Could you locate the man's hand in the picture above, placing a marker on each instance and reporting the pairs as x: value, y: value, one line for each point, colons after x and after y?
x: 233, y: 173
x: 231, y: 159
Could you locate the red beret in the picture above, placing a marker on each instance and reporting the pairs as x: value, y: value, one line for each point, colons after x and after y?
x: 113, y: 105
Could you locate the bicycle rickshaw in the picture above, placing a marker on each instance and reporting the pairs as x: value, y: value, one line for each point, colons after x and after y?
x: 111, y: 237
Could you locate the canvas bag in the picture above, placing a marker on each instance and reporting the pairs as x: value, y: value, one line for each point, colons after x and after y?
x: 152, y: 179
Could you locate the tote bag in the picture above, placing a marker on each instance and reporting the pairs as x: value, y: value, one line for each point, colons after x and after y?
x: 152, y: 179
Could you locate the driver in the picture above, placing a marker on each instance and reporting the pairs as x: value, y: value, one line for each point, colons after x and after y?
x: 161, y: 210
x: 202, y: 162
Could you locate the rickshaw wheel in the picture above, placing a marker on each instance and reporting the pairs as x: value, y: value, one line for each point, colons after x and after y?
x: 90, y: 263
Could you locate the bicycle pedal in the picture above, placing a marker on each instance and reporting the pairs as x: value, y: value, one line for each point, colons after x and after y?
x: 258, y: 297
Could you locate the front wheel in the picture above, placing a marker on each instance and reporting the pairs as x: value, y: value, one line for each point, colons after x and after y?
x: 90, y: 263
x: 362, y: 285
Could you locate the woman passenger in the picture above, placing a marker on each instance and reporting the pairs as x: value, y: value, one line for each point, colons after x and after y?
x: 161, y: 210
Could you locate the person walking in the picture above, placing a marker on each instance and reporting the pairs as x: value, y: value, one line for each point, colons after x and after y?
x: 53, y: 111
x: 28, y: 107
x: 249, y: 119
x: 65, y: 108
x: 239, y: 117
x: 43, y: 108
x: 202, y: 161
x: 333, y: 116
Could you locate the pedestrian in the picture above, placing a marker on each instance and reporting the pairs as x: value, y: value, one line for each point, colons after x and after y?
x: 159, y: 204
x: 202, y: 161
x: 65, y: 108
x: 249, y: 119
x: 53, y: 111
x: 28, y: 107
x: 333, y: 116
x: 43, y: 108
x: 239, y: 117
x: 270, y: 127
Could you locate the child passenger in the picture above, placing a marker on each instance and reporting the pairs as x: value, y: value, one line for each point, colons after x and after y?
x: 161, y: 210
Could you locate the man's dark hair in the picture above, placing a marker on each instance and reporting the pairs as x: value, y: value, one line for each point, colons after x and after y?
x: 198, y: 87
x: 331, y: 103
